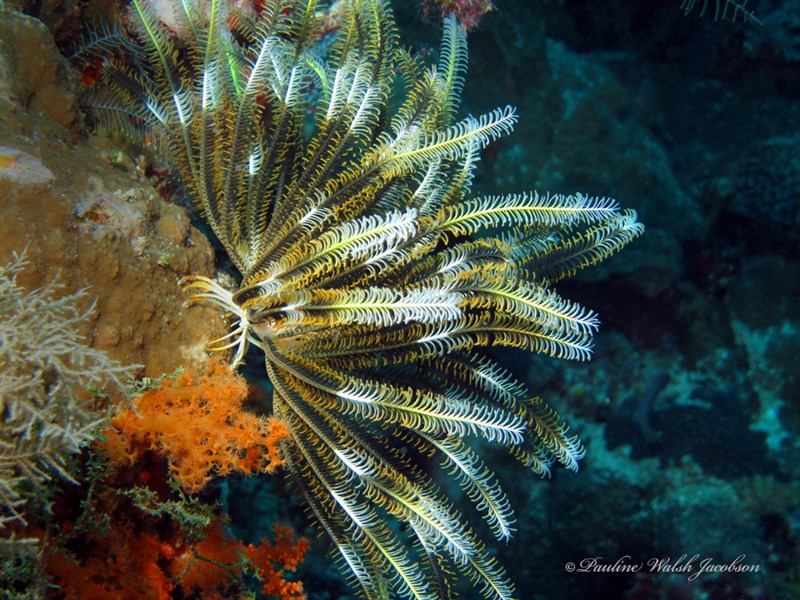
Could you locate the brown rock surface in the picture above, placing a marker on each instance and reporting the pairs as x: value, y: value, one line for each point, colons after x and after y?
x: 87, y: 216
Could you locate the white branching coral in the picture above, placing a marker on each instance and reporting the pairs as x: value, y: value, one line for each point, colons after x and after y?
x: 47, y: 408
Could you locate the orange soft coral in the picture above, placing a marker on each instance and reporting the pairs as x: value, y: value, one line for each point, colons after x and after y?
x: 119, y: 564
x: 200, y: 427
x: 207, y: 567
x: 125, y: 564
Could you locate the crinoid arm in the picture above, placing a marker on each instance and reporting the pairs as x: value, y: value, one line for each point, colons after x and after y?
x: 241, y: 335
x: 723, y: 9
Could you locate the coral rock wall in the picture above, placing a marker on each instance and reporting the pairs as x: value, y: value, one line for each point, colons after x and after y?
x: 86, y: 214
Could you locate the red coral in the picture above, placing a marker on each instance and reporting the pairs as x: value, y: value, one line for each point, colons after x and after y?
x: 120, y: 564
x: 199, y: 427
x: 129, y: 547
x: 219, y: 558
x: 128, y: 565
x: 468, y: 13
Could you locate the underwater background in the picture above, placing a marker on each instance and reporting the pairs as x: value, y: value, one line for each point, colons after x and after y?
x: 690, y: 407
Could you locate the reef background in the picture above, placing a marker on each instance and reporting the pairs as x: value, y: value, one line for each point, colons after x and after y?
x: 690, y: 408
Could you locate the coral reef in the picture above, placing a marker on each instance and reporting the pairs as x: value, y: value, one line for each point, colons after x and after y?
x: 768, y: 169
x: 689, y: 410
x: 89, y: 217
x: 130, y: 530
